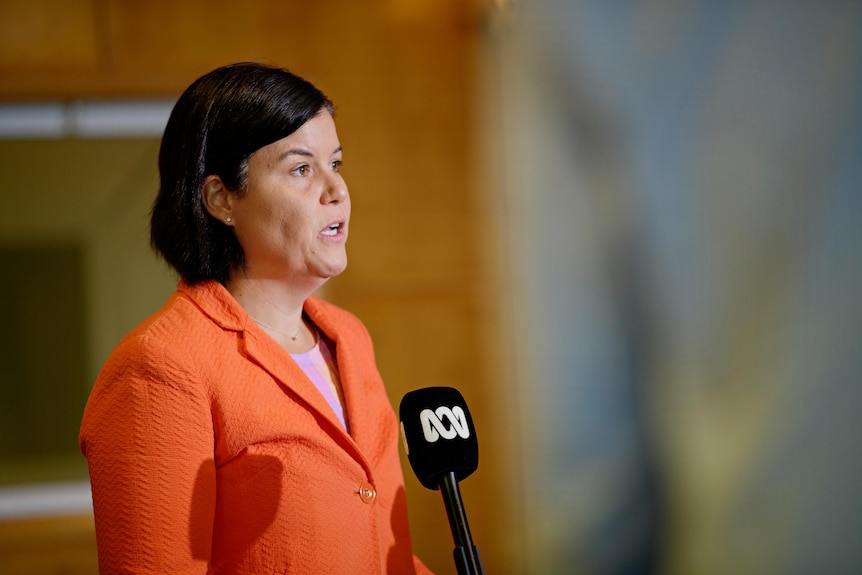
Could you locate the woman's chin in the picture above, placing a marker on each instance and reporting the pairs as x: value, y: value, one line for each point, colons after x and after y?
x: 332, y: 269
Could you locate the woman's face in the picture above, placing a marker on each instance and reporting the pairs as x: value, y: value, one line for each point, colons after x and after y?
x: 292, y: 219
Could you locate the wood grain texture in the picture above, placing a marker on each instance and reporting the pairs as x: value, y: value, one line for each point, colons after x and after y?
x: 403, y: 77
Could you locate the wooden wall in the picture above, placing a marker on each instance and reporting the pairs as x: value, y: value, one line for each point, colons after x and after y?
x: 403, y: 76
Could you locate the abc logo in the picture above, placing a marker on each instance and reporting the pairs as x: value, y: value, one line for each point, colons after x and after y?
x: 444, y: 422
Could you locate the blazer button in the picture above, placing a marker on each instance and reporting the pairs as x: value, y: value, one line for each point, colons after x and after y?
x: 367, y: 493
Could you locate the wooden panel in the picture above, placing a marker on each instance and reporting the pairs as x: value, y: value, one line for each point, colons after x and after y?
x: 48, y: 36
x: 163, y: 45
x: 135, y: 48
x: 401, y: 73
x: 49, y: 545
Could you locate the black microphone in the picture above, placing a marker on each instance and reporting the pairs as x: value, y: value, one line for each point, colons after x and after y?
x: 440, y: 441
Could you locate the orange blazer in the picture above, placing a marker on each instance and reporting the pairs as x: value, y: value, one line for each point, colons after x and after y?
x: 210, y: 451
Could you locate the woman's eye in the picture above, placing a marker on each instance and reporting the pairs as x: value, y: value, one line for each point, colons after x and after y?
x: 302, y: 170
x: 336, y: 166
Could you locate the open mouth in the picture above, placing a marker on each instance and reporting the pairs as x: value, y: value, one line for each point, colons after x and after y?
x: 332, y: 229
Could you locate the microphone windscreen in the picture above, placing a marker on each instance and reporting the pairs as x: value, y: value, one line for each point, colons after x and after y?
x: 438, y: 434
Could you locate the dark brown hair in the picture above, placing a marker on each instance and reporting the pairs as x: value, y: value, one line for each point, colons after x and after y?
x: 215, y: 126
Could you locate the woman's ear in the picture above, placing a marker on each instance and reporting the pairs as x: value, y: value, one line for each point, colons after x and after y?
x: 217, y: 199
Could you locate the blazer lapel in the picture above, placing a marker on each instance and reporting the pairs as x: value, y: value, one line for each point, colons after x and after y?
x: 220, y: 306
x: 353, y: 374
x: 271, y: 357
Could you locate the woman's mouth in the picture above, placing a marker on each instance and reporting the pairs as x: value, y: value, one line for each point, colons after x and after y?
x: 332, y: 229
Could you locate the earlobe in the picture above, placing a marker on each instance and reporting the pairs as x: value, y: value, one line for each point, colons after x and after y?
x: 216, y: 199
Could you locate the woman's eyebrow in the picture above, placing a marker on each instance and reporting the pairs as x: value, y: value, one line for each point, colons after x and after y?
x: 303, y: 152
x: 296, y: 152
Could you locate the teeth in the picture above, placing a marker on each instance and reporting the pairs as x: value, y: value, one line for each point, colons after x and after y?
x: 331, y: 231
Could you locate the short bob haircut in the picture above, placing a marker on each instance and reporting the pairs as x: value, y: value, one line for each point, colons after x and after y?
x: 216, y: 125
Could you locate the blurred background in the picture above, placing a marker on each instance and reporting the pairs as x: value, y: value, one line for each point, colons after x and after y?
x: 629, y: 232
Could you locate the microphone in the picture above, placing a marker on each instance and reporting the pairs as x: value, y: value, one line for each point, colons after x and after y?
x: 440, y: 441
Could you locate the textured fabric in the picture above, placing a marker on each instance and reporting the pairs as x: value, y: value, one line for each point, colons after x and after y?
x: 210, y: 451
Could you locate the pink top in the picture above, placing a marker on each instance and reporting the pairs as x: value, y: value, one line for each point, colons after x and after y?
x: 316, y: 363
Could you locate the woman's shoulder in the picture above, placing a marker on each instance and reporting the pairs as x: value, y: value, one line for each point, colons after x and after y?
x: 173, y: 335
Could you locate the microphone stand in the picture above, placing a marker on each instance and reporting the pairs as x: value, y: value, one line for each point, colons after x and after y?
x: 466, y: 555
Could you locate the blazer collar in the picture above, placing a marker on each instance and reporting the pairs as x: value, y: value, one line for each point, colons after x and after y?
x: 219, y: 305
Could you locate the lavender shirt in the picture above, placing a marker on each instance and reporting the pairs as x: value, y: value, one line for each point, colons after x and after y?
x: 316, y: 363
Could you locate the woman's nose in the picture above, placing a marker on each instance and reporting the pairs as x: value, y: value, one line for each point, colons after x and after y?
x: 336, y: 189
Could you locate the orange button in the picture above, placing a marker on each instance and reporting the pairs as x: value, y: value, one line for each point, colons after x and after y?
x: 367, y: 493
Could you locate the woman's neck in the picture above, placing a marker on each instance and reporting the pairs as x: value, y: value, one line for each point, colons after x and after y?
x: 276, y: 308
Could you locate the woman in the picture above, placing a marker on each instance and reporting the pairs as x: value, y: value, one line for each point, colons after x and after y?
x: 244, y: 427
